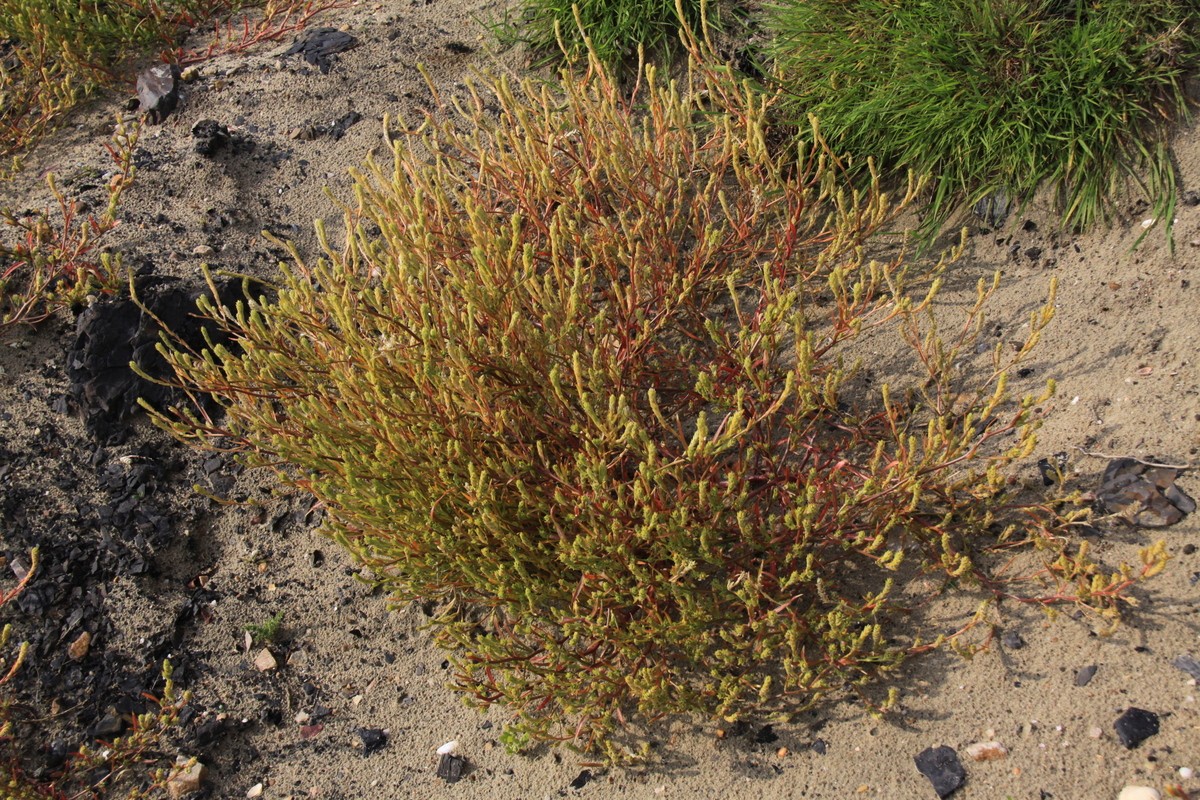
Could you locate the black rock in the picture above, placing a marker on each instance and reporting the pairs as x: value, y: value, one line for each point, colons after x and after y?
x: 1033, y: 253
x: 993, y: 209
x: 158, y: 91
x: 338, y: 129
x: 210, y: 136
x: 1012, y: 640
x: 582, y: 779
x: 373, y: 739
x: 1188, y: 664
x: 1084, y: 676
x: 1135, y: 726
x: 1191, y: 197
x: 820, y: 746
x: 112, y: 332
x: 318, y: 44
x: 943, y: 769
x: 450, y: 767
x: 108, y: 726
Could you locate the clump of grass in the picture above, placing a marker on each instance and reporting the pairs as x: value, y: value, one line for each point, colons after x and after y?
x: 579, y: 371
x: 615, y: 30
x: 998, y: 95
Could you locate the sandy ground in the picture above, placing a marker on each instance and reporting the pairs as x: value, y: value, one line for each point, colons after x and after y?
x: 1123, y: 349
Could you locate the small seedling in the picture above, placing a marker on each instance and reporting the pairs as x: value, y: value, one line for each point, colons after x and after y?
x: 267, y: 631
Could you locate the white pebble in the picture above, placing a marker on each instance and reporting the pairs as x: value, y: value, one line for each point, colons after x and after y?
x: 1186, y: 773
x: 1139, y: 793
x: 448, y: 748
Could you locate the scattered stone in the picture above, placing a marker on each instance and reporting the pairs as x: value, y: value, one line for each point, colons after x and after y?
x: 209, y: 136
x: 1139, y: 793
x: 1135, y: 726
x: 1187, y: 773
x: 1143, y: 495
x: 943, y: 769
x: 1188, y: 664
x: 265, y: 661
x: 993, y: 209
x: 158, y: 91
x: 202, y: 250
x: 1095, y: 732
x: 450, y: 767
x: 108, y: 726
x: 459, y: 49
x: 309, y: 731
x: 374, y: 740
x: 338, y: 129
x: 820, y: 747
x: 1012, y: 640
x: 1084, y: 676
x: 317, y: 45
x: 78, y: 649
x: 986, y: 751
x: 1051, y: 471
x: 187, y: 777
x: 1033, y: 253
x: 190, y: 74
x: 448, y: 747
x: 1191, y: 197
x: 582, y: 779
x: 255, y: 791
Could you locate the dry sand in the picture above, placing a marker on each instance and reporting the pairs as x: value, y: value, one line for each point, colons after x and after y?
x: 1123, y: 350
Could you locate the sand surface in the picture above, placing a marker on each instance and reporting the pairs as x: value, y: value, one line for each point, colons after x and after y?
x: 1123, y: 349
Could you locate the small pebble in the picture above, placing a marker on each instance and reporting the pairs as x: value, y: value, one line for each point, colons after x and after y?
x: 448, y: 747
x: 264, y: 661
x: 255, y: 791
x: 986, y: 751
x: 1012, y: 640
x: 1187, y: 773
x: 1084, y: 676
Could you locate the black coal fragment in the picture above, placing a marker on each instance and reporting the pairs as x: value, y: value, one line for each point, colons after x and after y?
x: 209, y: 136
x: 112, y: 332
x: 317, y: 45
x: 158, y: 91
x: 1135, y: 726
x: 373, y: 739
x: 1084, y: 676
x: 339, y: 128
x: 820, y: 747
x: 943, y: 769
x: 450, y: 767
x: 1188, y: 664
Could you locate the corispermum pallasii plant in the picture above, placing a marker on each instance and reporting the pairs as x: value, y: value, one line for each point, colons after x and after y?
x: 578, y: 373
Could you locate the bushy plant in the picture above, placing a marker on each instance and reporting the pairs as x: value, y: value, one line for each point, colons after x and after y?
x: 999, y: 95
x: 578, y: 371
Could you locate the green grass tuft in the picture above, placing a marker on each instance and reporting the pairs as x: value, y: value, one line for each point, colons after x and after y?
x: 1000, y: 95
